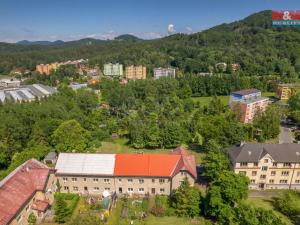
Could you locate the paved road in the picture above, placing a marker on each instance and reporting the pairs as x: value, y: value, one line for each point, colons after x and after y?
x: 257, y: 194
x: 285, y: 135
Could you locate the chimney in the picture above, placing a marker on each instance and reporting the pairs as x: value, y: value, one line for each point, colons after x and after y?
x: 249, y: 152
x: 242, y: 143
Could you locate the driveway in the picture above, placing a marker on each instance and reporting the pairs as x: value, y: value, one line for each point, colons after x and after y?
x: 285, y: 135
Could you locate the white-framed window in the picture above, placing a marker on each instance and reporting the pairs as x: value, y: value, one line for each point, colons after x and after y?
x: 120, y: 180
x: 266, y: 160
x: 244, y: 164
x: 254, y: 173
x: 283, y: 181
x: 273, y: 173
x: 285, y: 173
x: 129, y: 190
x: 275, y: 164
x: 161, y: 180
x: 287, y: 164
x: 271, y: 181
x: 141, y: 189
x: 243, y: 172
x: 84, y: 179
x: 161, y: 190
x: 153, y: 180
x: 130, y: 180
x: 107, y: 189
x: 297, y: 181
x: 96, y: 188
x: 66, y: 188
x: 74, y: 179
x: 298, y: 173
x: 141, y: 181
x: 27, y: 208
x: 106, y: 180
x: 65, y: 179
x: 264, y: 168
x: 75, y: 188
x: 263, y: 176
x: 95, y: 179
x: 255, y: 164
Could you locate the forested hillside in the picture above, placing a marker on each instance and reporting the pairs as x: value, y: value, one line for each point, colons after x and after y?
x: 253, y: 43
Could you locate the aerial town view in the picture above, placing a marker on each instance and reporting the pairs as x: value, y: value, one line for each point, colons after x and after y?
x: 139, y: 112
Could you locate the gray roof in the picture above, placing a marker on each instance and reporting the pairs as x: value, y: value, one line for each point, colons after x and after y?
x: 254, y: 152
x: 51, y: 156
x: 85, y: 163
x: 26, y: 92
x: 246, y: 91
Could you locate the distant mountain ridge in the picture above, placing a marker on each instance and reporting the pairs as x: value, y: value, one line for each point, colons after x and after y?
x: 26, y: 42
x: 253, y: 43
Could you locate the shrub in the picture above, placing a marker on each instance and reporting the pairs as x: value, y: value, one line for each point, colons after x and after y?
x: 288, y: 204
x: 158, y: 210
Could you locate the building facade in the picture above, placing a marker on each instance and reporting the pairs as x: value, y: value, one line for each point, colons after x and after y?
x: 28, y: 189
x: 111, y: 69
x: 285, y: 91
x: 268, y: 166
x: 164, y: 72
x: 48, y: 68
x: 139, y: 174
x: 9, y: 83
x: 247, y: 103
x: 135, y: 72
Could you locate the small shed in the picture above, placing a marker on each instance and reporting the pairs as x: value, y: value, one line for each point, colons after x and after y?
x: 50, y: 158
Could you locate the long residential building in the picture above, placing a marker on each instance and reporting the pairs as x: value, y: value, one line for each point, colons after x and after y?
x: 48, y: 68
x: 164, y: 72
x: 268, y: 166
x: 26, y: 93
x: 135, y: 72
x: 285, y: 91
x: 111, y: 69
x: 248, y: 102
x: 125, y: 173
x: 28, y: 189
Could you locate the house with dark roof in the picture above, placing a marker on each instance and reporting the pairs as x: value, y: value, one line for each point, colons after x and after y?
x: 28, y: 189
x: 268, y: 166
x: 125, y: 173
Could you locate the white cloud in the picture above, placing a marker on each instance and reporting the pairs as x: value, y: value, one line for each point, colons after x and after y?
x: 92, y: 36
x: 171, y: 29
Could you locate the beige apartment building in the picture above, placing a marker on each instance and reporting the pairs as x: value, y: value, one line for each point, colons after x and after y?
x: 135, y: 72
x: 268, y: 166
x: 28, y: 189
x: 125, y: 173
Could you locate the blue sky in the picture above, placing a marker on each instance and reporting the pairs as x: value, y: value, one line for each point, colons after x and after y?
x: 105, y: 19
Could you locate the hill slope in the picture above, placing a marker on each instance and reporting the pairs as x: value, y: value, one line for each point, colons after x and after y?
x: 252, y: 42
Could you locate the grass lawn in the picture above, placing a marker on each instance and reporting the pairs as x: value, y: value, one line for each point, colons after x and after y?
x: 267, y: 203
x: 206, y: 100
x: 120, y: 146
x: 115, y: 219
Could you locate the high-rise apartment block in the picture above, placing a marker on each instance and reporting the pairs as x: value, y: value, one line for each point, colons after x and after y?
x: 135, y: 72
x: 111, y: 69
x: 248, y: 102
x: 164, y: 72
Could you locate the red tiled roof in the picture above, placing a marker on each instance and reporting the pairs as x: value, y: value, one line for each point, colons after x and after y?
x: 187, y: 162
x: 156, y: 165
x: 18, y: 187
x: 40, y: 205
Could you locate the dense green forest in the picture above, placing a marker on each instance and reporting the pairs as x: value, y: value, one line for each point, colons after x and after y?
x: 253, y: 43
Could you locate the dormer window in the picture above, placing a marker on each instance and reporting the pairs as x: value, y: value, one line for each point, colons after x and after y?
x: 244, y: 164
x: 266, y: 160
x: 275, y: 164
